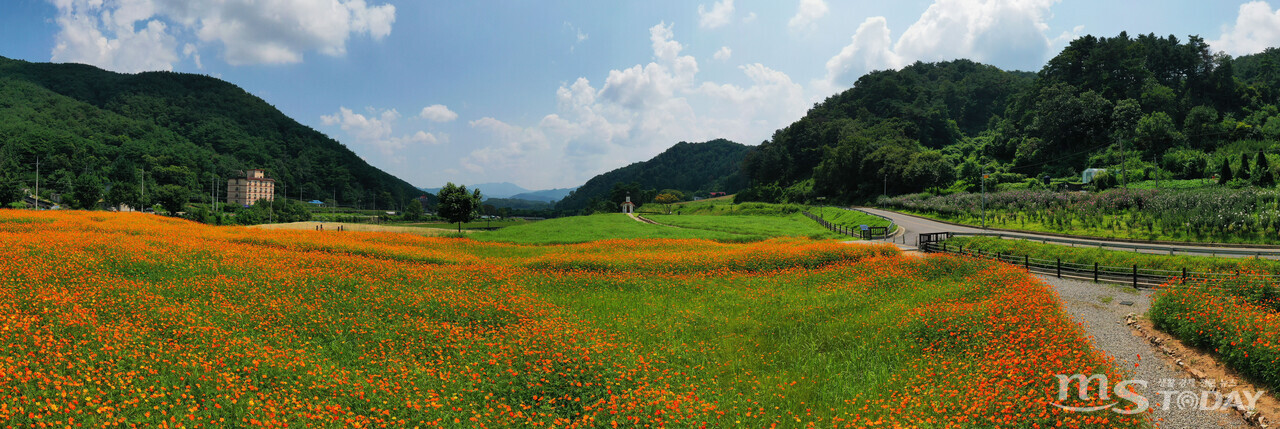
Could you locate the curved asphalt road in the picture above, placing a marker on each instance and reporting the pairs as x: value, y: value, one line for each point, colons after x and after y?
x: 914, y: 226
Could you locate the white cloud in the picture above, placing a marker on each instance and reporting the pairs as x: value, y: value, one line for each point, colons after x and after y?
x: 376, y: 129
x: 133, y: 35
x: 870, y: 49
x: 808, y: 12
x: 1257, y: 28
x: 110, y: 38
x: 638, y: 112
x: 721, y: 13
x: 723, y: 54
x: 751, y: 17
x: 1007, y: 33
x: 438, y: 113
x: 579, y: 36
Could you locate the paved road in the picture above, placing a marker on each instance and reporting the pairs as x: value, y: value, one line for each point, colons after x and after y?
x: 914, y: 226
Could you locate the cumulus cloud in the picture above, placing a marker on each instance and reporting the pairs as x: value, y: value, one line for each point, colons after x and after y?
x: 111, y: 39
x: 1257, y: 28
x: 718, y: 15
x: 136, y: 35
x: 808, y: 12
x: 636, y: 113
x: 723, y: 54
x: 375, y: 130
x: 1007, y: 33
x: 438, y: 113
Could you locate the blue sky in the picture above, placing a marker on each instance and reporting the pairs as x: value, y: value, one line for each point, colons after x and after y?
x: 550, y: 93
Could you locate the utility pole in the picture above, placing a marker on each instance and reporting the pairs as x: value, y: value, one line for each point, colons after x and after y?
x: 1123, y: 183
x: 37, y: 183
x: 984, y: 196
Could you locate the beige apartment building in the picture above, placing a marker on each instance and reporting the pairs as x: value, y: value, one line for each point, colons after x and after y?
x: 250, y: 188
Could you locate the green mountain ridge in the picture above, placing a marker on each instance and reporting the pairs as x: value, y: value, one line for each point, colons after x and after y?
x: 109, y: 134
x: 1179, y: 110
x: 713, y: 166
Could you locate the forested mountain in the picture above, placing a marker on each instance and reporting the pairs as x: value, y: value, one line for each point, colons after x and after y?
x: 99, y: 133
x: 713, y: 166
x: 1179, y: 110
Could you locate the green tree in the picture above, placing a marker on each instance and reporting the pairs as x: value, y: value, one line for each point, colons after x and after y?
x: 1156, y: 132
x: 10, y: 190
x: 413, y: 210
x: 1244, y: 171
x: 1201, y: 126
x: 1224, y: 173
x: 456, y: 205
x: 86, y: 190
x: 124, y: 193
x: 1262, y: 175
x: 173, y: 198
x: 666, y: 199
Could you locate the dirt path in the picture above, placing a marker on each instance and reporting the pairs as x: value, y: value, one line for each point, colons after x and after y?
x: 1101, y: 309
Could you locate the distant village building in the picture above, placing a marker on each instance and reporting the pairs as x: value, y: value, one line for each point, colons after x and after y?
x: 249, y: 189
x: 718, y: 194
x: 1089, y: 173
x: 628, y: 206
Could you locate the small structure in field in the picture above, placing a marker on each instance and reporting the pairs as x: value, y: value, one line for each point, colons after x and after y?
x: 1088, y: 174
x: 628, y: 206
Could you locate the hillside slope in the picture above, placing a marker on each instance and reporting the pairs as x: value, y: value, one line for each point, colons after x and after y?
x: 711, y: 166
x: 1178, y: 109
x: 95, y: 129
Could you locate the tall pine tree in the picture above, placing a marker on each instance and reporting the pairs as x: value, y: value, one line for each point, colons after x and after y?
x: 1262, y: 175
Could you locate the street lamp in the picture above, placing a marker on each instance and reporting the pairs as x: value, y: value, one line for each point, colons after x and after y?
x: 823, y: 209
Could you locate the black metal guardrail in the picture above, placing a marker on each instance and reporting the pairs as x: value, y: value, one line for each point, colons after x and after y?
x: 871, y: 233
x: 1132, y: 276
x: 1170, y: 249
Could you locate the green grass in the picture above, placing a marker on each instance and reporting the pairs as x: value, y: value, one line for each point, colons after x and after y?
x: 1172, y: 184
x: 581, y: 229
x: 466, y: 225
x: 794, y: 225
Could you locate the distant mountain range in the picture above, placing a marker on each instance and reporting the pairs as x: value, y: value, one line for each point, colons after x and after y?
x: 508, y: 190
x: 112, y: 135
x: 714, y: 166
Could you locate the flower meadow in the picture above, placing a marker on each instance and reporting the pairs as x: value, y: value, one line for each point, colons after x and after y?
x: 1219, y: 214
x: 129, y: 320
x: 1238, y: 319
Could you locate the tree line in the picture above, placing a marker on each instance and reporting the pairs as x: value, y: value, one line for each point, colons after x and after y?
x: 162, y: 138
x: 1152, y: 107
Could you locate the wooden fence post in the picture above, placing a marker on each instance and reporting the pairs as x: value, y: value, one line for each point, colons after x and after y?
x: 1059, y: 267
x: 1095, y: 272
x: 1026, y: 262
x: 1184, y: 274
x: 1135, y: 276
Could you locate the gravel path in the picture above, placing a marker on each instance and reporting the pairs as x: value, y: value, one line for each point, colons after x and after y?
x: 1104, y: 323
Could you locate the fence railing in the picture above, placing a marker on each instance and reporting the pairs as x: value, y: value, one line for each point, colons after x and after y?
x: 871, y: 233
x: 1170, y: 249
x: 1132, y: 275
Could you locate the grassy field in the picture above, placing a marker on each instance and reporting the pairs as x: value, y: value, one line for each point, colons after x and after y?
x: 581, y: 229
x: 150, y: 321
x: 773, y: 220
x: 467, y: 225
x: 794, y: 225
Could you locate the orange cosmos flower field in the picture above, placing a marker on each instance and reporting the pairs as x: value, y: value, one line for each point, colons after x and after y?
x: 138, y: 320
